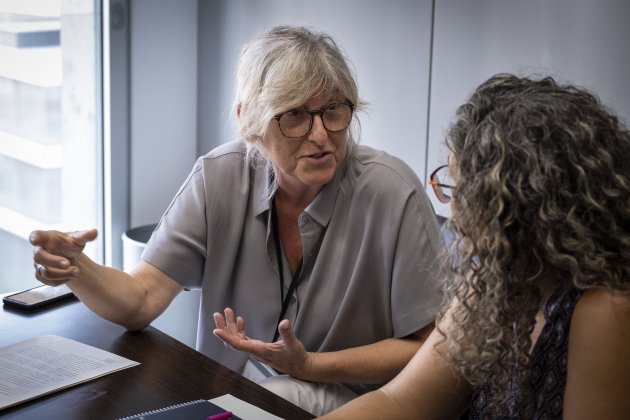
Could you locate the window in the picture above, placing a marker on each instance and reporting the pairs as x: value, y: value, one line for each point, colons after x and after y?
x: 50, y: 127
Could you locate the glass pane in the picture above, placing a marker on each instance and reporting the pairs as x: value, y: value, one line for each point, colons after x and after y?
x: 50, y: 119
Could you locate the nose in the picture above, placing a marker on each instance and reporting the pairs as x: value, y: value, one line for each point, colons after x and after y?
x: 318, y: 132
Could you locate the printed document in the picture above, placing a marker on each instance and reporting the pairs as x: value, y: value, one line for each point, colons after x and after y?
x: 42, y: 365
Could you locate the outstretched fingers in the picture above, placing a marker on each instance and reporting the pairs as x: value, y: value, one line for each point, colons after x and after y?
x: 230, y: 329
x: 286, y: 355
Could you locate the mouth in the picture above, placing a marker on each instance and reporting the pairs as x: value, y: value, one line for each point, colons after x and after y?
x: 318, y: 155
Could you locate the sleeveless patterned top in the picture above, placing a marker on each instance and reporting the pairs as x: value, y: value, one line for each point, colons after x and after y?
x: 548, y: 364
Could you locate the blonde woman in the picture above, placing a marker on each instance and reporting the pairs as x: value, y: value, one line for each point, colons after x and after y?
x: 326, y: 247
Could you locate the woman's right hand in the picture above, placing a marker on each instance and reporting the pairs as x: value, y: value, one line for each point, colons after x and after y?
x: 54, y: 253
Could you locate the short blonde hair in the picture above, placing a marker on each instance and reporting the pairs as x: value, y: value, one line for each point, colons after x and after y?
x: 282, y: 69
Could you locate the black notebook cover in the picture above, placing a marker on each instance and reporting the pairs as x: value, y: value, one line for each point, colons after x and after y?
x: 193, y: 410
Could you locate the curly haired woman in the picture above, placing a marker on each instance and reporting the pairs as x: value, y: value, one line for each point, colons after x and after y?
x: 536, y: 321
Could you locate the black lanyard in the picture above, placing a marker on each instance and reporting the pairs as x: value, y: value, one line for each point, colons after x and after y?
x: 296, y: 276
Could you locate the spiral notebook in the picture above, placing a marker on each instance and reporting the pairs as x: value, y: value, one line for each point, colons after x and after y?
x: 192, y: 410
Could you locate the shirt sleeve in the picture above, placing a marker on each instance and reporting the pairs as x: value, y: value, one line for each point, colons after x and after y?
x: 417, y: 271
x: 178, y: 245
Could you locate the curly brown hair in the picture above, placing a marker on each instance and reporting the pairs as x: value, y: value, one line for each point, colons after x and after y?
x: 542, y: 200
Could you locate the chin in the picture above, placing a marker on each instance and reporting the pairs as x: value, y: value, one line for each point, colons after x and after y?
x: 317, y: 181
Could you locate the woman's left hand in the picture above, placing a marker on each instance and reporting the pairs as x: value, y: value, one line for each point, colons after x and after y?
x: 286, y: 355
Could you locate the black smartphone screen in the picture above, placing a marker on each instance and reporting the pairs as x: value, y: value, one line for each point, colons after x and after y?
x: 38, y: 297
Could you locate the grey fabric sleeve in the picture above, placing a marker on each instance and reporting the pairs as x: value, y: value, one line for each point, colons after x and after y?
x: 178, y: 244
x: 416, y: 278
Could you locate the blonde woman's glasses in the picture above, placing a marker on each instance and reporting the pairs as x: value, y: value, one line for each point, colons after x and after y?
x: 297, y: 122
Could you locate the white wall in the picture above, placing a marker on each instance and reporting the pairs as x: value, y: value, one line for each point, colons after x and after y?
x: 163, y: 99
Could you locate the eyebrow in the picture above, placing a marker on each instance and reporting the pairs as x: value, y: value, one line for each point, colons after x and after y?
x: 332, y: 100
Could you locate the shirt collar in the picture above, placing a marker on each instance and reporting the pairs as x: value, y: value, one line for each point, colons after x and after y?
x: 320, y: 209
x: 322, y: 206
x: 261, y: 184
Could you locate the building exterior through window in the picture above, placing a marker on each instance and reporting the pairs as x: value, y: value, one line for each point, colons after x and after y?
x: 50, y: 127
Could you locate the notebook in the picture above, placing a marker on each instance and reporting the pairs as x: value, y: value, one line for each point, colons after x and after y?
x: 243, y: 409
x: 193, y: 410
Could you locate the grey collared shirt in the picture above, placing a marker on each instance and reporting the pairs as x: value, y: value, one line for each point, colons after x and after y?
x: 370, y: 240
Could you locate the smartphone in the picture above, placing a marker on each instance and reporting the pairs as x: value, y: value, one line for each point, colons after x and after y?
x: 38, y: 297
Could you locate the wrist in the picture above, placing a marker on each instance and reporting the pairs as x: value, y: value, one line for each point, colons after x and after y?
x: 304, y: 370
x: 83, y: 265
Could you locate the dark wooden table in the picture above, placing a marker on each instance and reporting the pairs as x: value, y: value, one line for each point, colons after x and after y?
x: 170, y: 372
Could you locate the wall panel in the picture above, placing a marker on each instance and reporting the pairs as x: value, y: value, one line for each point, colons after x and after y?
x: 582, y: 42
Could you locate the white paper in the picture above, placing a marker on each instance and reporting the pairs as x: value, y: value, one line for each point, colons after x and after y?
x: 242, y: 409
x: 46, y: 364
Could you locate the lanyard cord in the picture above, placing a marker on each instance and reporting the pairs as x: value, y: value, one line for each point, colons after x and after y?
x: 296, y: 276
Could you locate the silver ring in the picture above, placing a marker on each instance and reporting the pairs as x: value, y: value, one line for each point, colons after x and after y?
x: 39, y: 268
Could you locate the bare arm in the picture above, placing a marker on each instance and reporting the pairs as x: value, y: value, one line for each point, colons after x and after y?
x: 132, y: 299
x: 598, y: 371
x: 427, y: 388
x: 374, y: 363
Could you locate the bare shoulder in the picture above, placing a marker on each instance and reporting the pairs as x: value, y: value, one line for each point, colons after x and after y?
x: 598, y: 371
x: 600, y: 325
x: 600, y: 308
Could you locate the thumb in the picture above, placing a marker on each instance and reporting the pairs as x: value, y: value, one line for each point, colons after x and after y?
x: 82, y: 237
x: 77, y: 242
x: 287, y: 333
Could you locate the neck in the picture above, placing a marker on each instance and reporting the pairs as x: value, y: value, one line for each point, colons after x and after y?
x: 546, y: 285
x: 295, y: 196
